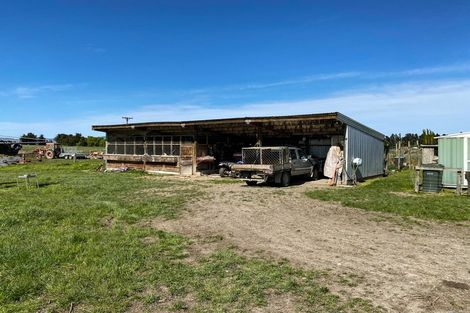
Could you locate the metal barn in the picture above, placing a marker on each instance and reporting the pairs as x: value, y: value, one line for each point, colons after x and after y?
x: 454, y: 154
x: 190, y: 147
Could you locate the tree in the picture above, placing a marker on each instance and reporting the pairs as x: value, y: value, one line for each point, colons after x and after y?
x: 68, y: 139
x: 392, y: 140
x: 412, y: 138
x: 79, y: 140
x: 28, y: 139
x: 428, y: 137
x: 96, y: 141
x: 82, y: 142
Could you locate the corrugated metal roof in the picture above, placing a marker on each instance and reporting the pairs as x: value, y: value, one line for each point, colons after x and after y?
x: 247, y: 120
x: 456, y: 135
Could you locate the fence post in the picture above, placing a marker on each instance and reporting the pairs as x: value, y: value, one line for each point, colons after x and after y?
x: 399, y: 156
x: 417, y: 180
x: 458, y: 190
x: 467, y: 176
x: 409, y: 155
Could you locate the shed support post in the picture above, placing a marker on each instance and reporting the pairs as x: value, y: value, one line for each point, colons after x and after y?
x: 259, y: 137
x: 144, y: 157
x: 196, y: 134
x: 194, y: 157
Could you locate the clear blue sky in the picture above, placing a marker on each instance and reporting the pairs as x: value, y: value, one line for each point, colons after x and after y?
x: 65, y: 65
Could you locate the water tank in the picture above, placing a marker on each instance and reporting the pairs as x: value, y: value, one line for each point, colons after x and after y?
x: 432, y: 178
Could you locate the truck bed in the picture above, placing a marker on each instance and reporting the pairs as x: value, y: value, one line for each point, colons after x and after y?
x: 265, y: 168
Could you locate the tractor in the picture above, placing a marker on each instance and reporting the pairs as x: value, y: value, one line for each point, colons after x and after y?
x: 51, y: 150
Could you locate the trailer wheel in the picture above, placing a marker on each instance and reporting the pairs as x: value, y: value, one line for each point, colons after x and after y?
x: 251, y: 182
x: 285, y: 179
x: 49, y: 154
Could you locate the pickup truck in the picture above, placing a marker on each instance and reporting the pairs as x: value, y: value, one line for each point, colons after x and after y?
x: 274, y: 164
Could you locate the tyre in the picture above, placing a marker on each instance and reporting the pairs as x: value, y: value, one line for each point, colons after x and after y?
x: 49, y: 155
x: 222, y: 172
x: 314, y: 173
x: 285, y: 179
x: 251, y: 183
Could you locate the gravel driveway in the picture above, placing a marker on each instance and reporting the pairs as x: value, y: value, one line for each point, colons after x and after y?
x: 401, y: 266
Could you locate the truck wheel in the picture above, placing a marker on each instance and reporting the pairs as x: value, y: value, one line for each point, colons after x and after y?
x: 49, y: 155
x: 314, y: 173
x: 251, y: 183
x: 222, y: 172
x: 285, y: 179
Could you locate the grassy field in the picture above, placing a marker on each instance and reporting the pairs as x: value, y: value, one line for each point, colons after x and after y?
x: 395, y: 194
x: 31, y: 148
x: 79, y: 243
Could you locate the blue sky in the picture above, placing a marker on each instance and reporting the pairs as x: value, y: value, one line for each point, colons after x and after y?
x: 397, y: 66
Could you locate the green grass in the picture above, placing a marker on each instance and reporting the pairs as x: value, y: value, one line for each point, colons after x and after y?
x: 31, y: 148
x: 81, y: 239
x: 395, y: 194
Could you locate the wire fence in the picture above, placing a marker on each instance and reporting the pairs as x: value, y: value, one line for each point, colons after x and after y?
x: 408, y: 157
x: 268, y: 156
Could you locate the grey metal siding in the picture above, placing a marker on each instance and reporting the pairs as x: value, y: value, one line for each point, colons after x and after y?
x: 369, y: 148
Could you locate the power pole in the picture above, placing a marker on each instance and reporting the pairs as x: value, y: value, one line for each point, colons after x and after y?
x: 127, y: 118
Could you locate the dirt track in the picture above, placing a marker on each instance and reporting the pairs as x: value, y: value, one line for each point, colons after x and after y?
x: 402, y: 267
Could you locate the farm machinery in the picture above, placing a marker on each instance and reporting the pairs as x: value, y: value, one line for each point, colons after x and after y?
x: 51, y: 150
x: 55, y: 150
x: 9, y: 148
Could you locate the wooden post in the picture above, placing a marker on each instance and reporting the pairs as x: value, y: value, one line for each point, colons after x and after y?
x: 409, y: 154
x: 396, y: 154
x: 399, y: 155
x: 417, y: 183
x: 467, y: 176
x: 144, y: 157
x: 194, y: 157
x: 458, y: 190
x: 196, y: 135
x: 259, y: 136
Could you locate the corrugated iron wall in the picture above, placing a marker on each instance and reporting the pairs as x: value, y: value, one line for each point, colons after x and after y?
x: 451, y: 155
x: 468, y: 156
x: 370, y: 149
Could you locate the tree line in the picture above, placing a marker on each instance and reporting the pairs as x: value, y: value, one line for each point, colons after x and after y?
x: 427, y: 137
x: 64, y: 140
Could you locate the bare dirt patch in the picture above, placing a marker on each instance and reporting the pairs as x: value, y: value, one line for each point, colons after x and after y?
x: 401, y: 268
